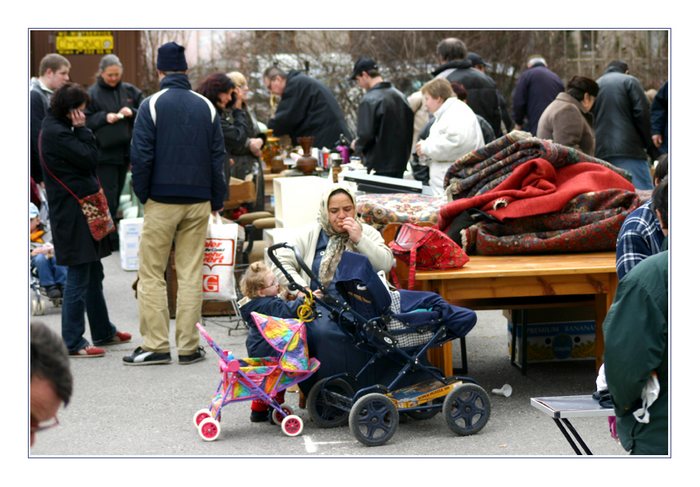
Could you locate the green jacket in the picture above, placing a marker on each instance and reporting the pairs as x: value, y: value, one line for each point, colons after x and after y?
x: 636, y: 343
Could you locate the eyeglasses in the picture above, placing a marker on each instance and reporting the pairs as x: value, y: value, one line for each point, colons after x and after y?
x: 274, y: 283
x: 45, y: 425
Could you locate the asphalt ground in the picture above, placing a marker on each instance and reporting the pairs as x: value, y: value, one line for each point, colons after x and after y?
x: 136, y: 415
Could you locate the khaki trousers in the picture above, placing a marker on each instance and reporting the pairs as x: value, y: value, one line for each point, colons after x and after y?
x: 187, y: 226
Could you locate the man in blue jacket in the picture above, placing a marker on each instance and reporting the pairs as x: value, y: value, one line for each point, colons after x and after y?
x: 537, y: 87
x: 177, y: 157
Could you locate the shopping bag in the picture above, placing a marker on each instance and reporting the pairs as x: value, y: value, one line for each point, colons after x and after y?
x: 426, y: 248
x: 219, y: 259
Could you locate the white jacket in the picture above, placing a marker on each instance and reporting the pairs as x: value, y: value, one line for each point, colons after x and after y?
x: 455, y: 132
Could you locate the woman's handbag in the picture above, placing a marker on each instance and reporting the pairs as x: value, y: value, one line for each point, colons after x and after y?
x: 426, y: 248
x: 94, y: 206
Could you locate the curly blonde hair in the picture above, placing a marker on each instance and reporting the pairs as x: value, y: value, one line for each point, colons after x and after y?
x: 253, y: 279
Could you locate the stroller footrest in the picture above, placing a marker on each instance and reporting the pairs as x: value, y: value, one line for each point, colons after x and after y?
x: 422, y: 392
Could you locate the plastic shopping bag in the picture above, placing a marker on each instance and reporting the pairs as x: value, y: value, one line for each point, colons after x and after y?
x: 219, y: 259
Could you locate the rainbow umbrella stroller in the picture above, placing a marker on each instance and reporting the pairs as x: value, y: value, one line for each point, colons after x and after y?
x: 260, y: 378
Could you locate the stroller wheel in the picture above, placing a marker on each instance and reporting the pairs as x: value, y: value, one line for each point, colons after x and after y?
x: 374, y: 419
x: 209, y: 429
x: 200, y: 416
x: 277, y: 417
x: 325, y: 407
x: 292, y: 425
x: 467, y: 409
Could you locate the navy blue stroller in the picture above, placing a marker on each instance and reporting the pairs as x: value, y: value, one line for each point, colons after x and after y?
x: 399, y: 325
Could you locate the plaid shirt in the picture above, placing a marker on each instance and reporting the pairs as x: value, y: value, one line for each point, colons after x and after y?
x: 640, y: 236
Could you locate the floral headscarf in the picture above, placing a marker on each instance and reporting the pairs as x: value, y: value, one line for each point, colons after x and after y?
x: 337, y: 242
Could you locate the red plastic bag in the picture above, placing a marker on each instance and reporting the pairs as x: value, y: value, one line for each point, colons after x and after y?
x: 426, y: 248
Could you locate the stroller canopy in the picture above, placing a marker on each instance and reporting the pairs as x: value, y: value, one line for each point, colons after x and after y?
x: 365, y: 292
x: 287, y: 336
x: 360, y: 285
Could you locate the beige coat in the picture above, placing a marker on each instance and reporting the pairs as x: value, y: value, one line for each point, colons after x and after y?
x: 305, y: 239
x: 565, y: 122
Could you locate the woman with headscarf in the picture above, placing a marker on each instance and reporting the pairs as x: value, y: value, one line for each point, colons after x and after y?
x: 321, y: 245
x: 110, y: 115
x: 338, y: 228
x: 69, y: 158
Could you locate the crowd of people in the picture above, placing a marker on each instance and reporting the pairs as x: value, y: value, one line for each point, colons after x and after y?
x: 182, y: 145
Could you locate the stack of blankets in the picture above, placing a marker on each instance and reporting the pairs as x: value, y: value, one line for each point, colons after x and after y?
x: 524, y: 195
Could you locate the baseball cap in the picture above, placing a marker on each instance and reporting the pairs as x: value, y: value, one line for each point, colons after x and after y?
x: 476, y: 60
x: 363, y: 64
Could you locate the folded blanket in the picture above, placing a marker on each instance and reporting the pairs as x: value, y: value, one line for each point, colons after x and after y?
x: 483, y: 169
x: 589, y: 222
x: 536, y: 187
x: 523, y: 195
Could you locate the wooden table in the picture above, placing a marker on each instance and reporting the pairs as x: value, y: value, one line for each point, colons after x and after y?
x: 501, y: 282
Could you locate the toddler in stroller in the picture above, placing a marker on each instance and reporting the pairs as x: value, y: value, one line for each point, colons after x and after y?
x: 261, y: 378
x: 261, y: 291
x: 401, y: 326
x: 46, y: 277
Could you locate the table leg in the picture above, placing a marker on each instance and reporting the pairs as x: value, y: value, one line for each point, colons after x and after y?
x: 602, y: 305
x: 563, y: 425
x: 441, y: 357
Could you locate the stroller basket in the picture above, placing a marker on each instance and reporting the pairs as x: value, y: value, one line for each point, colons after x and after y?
x: 413, y: 318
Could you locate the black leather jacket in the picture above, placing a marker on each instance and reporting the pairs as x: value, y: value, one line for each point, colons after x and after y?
x: 308, y: 107
x: 622, y: 123
x: 482, y: 93
x: 384, y: 129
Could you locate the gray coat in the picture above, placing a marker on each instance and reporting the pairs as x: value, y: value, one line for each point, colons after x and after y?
x: 565, y: 122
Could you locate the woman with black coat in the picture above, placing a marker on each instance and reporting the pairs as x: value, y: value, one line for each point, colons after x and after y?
x: 218, y: 89
x: 69, y: 153
x: 110, y: 115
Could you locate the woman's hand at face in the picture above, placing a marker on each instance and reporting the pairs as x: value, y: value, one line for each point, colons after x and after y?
x: 353, y: 228
x: 77, y: 118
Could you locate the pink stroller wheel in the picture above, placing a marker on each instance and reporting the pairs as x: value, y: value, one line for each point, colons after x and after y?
x: 200, y: 416
x: 292, y: 425
x: 277, y: 417
x: 209, y: 429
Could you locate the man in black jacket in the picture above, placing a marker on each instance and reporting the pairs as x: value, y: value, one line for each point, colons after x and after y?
x: 384, y: 122
x: 623, y: 125
x: 482, y: 93
x: 306, y: 108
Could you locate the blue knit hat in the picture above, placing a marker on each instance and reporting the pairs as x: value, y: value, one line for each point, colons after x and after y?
x: 171, y: 57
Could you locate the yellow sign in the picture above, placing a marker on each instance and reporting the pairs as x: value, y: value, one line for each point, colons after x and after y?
x: 84, y: 42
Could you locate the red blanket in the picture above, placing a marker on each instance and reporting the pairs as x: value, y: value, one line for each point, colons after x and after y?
x: 537, y: 188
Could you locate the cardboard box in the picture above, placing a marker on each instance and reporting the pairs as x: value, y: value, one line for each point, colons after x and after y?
x: 129, y: 239
x: 239, y: 192
x: 555, y: 334
x: 297, y: 199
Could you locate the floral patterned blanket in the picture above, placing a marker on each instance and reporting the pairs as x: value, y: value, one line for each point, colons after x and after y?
x: 505, y: 203
x: 379, y: 210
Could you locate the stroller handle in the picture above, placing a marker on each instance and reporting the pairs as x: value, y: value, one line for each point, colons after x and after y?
x: 293, y: 285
